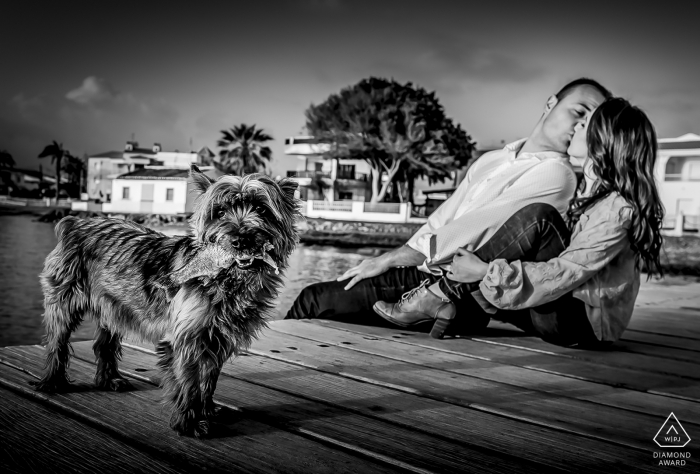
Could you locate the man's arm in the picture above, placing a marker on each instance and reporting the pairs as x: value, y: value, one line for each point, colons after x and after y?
x: 549, y: 182
x: 412, y: 254
x: 443, y: 214
x: 403, y: 256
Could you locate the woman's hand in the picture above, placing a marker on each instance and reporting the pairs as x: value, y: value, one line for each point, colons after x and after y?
x: 467, y: 267
x: 366, y: 269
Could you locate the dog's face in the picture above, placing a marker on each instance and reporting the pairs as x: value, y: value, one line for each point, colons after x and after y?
x: 249, y: 215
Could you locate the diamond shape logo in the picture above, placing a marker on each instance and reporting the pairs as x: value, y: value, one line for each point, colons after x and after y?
x: 672, y: 434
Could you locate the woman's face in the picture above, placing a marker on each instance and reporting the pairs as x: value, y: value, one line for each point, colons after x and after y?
x: 578, y: 148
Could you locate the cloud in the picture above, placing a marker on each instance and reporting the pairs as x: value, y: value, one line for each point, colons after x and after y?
x: 92, y: 118
x: 93, y: 89
x: 450, y: 64
x: 673, y: 112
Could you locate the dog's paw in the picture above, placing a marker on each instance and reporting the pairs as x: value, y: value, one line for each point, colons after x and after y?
x: 59, y: 385
x: 188, y: 426
x: 120, y: 385
x: 115, y: 384
x: 202, y: 429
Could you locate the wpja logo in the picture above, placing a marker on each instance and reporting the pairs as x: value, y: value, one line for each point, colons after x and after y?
x: 672, y: 435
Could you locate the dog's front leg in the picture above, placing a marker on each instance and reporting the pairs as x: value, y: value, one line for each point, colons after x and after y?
x: 192, y: 361
x: 191, y: 373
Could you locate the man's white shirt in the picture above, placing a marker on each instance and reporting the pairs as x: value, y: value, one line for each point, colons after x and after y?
x: 497, y: 185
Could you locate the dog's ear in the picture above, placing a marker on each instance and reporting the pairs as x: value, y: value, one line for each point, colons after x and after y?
x: 200, y: 181
x: 288, y: 186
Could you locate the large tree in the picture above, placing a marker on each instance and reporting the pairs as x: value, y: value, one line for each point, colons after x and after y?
x: 399, y: 129
x: 6, y: 160
x: 57, y: 153
x: 243, y: 150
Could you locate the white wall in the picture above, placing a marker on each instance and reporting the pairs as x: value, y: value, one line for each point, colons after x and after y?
x: 176, y: 159
x: 354, y: 211
x: 159, y: 206
x: 681, y: 195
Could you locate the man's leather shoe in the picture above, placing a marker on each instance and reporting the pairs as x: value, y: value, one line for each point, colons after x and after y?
x: 419, y: 306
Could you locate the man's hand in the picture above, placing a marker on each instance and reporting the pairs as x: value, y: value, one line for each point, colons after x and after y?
x: 467, y: 267
x: 403, y: 256
x: 366, y: 269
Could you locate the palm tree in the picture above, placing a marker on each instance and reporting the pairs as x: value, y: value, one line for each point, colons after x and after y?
x: 57, y: 153
x: 75, y: 168
x: 243, y: 150
x: 6, y: 160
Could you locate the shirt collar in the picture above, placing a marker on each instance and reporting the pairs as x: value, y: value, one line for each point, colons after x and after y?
x: 542, y: 155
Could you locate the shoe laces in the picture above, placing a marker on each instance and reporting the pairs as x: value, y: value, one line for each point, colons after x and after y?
x: 406, y: 297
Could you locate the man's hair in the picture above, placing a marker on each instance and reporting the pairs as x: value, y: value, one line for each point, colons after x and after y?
x: 584, y: 81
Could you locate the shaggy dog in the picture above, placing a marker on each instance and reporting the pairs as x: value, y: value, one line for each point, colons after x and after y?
x: 198, y: 310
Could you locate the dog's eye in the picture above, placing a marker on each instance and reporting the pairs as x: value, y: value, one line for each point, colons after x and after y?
x: 221, y: 213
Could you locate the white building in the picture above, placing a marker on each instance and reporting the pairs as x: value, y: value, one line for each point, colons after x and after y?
x: 678, y: 177
x: 345, y: 180
x: 154, y: 190
x: 104, y: 167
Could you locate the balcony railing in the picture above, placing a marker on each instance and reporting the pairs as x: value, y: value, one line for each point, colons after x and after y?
x: 307, y: 174
x: 337, y: 206
x: 353, y: 176
x: 359, y: 211
x: 322, y: 174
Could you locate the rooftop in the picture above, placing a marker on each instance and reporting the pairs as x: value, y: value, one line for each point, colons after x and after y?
x: 156, y: 173
x: 684, y: 142
x: 109, y: 154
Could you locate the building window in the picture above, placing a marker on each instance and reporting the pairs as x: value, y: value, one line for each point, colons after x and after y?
x: 683, y: 168
x: 169, y: 193
x: 674, y: 168
x: 344, y: 196
x: 125, y: 194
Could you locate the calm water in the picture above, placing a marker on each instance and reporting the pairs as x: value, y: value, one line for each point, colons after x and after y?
x: 24, y: 243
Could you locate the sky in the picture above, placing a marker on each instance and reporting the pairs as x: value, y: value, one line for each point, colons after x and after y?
x: 91, y: 74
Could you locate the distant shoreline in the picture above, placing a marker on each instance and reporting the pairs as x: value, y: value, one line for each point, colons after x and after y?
x: 681, y: 255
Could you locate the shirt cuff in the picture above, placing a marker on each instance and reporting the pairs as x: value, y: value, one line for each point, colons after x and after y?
x: 424, y: 244
x: 502, y: 282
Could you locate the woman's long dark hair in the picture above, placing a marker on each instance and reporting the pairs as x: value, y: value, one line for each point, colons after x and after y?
x: 622, y: 148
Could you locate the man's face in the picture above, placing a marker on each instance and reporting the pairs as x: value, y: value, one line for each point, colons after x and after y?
x: 575, y: 108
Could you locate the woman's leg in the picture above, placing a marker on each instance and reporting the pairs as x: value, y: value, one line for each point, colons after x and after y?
x: 564, y: 322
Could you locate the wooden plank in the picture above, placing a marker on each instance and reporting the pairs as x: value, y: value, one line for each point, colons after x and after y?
x: 542, y: 360
x: 661, y: 340
x: 337, y: 424
x: 680, y: 322
x: 239, y: 444
x: 475, y: 428
x: 610, y: 357
x: 498, y: 329
x: 551, y: 384
x: 614, y: 425
x: 29, y: 432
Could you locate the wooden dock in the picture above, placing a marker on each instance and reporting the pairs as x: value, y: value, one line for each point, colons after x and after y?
x: 331, y: 397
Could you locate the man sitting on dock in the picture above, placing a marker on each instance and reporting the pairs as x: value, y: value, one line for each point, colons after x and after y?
x: 532, y: 170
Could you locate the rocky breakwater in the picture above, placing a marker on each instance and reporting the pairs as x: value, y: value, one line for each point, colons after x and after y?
x: 355, y: 234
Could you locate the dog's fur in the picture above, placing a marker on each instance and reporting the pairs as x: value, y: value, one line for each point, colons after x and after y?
x: 109, y: 269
